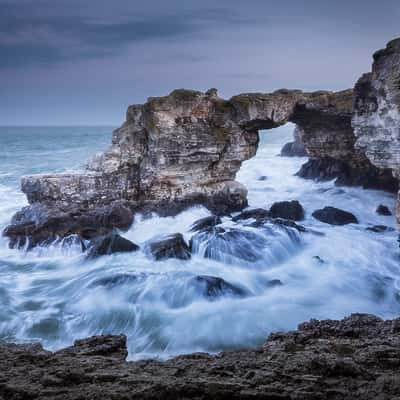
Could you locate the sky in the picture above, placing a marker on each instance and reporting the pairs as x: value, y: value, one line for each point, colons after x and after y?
x: 75, y: 62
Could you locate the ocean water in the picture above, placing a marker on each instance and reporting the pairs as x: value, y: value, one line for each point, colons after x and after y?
x: 54, y: 295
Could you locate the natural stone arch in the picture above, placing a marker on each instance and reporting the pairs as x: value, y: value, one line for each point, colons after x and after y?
x: 187, y: 147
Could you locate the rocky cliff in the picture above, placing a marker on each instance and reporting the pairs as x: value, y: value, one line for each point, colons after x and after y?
x: 376, y: 119
x: 356, y: 358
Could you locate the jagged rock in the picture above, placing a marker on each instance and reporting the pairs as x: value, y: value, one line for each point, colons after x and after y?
x: 171, y: 246
x: 110, y: 244
x: 291, y: 210
x: 213, y: 287
x: 376, y: 119
x: 379, y: 228
x: 205, y: 223
x: 357, y: 357
x: 383, y: 210
x: 334, y: 216
x: 256, y: 213
x: 295, y: 148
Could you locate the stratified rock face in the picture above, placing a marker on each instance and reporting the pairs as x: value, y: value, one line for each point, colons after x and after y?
x: 376, y: 119
x: 355, y: 358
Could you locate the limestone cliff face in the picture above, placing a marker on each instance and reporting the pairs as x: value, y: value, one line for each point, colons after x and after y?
x: 376, y: 119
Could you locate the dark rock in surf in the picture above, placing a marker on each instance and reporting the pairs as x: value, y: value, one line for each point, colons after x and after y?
x: 109, y: 245
x: 292, y: 210
x: 346, y: 174
x: 334, y: 216
x: 205, y: 223
x: 379, y: 228
x: 274, y: 283
x: 383, y: 210
x: 263, y: 178
x: 172, y: 246
x: 213, y: 287
x: 255, y: 213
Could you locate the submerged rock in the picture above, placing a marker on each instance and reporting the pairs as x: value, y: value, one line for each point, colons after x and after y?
x: 112, y: 281
x: 383, y: 210
x: 291, y: 210
x: 109, y: 245
x: 320, y: 360
x: 334, y: 216
x: 171, y: 246
x: 213, y: 287
x: 379, y: 228
x: 229, y: 244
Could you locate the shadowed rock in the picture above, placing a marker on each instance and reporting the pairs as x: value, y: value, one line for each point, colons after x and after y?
x: 295, y: 148
x: 379, y: 228
x: 256, y: 213
x: 334, y: 216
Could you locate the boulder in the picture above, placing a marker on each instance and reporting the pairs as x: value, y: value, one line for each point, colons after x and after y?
x: 295, y: 148
x: 171, y: 246
x: 383, y: 210
x: 110, y: 244
x: 112, y: 281
x: 291, y: 210
x: 334, y: 216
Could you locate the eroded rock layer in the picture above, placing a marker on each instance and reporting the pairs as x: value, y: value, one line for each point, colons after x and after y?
x: 376, y: 119
x: 355, y: 358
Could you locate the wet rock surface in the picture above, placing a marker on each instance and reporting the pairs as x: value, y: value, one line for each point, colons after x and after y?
x: 171, y: 246
x: 295, y: 148
x: 334, y: 216
x: 355, y: 358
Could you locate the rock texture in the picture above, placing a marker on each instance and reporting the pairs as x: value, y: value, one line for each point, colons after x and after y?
x: 355, y: 358
x: 376, y: 119
x: 295, y: 148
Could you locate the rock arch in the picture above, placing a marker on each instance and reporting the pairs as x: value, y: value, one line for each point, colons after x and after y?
x: 187, y: 147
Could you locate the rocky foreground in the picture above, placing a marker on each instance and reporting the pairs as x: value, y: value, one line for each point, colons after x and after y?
x: 355, y: 358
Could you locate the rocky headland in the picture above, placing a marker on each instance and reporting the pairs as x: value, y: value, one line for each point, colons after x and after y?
x: 186, y: 148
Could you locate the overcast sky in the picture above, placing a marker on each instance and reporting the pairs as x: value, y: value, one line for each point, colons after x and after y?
x: 75, y: 62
